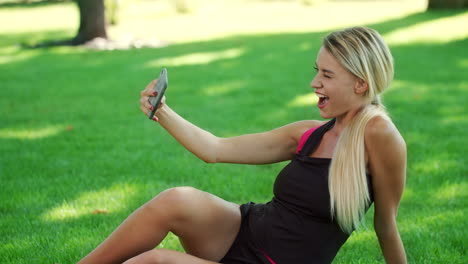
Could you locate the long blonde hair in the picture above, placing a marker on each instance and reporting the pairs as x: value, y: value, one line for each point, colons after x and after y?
x: 363, y: 52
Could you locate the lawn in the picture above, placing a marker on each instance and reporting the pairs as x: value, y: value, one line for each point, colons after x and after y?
x: 78, y: 156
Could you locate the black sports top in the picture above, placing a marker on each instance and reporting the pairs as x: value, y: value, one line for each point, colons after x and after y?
x: 295, y: 227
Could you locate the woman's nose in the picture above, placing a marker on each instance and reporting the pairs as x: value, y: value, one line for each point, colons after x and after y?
x: 315, y: 83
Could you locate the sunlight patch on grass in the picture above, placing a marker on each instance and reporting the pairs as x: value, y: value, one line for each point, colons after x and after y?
x: 455, y: 119
x: 223, y: 88
x: 23, y: 20
x: 196, y: 58
x: 453, y: 112
x: 105, y: 201
x: 433, y: 166
x: 452, y: 191
x: 440, y: 30
x: 408, y: 193
x: 213, y: 19
x: 171, y: 242
x: 305, y: 46
x: 413, y: 90
x: 434, y: 219
x: 463, y: 63
x: 32, y: 133
x: 430, y: 221
x: 397, y: 84
x: 279, y: 16
x: 303, y: 100
x: 362, y: 235
x: 13, y: 54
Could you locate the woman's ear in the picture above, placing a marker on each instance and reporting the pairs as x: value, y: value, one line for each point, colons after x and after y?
x: 361, y: 87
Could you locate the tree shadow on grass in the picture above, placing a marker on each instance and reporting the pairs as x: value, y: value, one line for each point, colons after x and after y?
x: 33, y: 4
x: 235, y: 85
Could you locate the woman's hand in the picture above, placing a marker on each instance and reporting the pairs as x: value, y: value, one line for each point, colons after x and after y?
x: 145, y: 106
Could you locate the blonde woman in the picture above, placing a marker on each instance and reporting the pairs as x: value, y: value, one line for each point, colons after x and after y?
x: 337, y: 170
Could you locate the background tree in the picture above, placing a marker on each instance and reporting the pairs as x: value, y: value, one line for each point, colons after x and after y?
x: 92, y: 25
x: 92, y: 21
x: 94, y: 16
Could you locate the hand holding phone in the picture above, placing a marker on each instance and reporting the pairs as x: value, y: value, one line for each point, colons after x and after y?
x: 160, y: 88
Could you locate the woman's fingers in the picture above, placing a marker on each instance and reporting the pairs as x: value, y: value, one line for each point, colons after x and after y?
x: 148, y: 91
x: 144, y: 110
x: 145, y: 103
x: 145, y: 106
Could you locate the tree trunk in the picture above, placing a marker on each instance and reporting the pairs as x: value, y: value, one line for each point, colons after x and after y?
x: 92, y: 30
x: 92, y: 21
x: 446, y: 4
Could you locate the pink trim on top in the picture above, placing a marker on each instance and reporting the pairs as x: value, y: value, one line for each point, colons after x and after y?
x: 304, y: 138
x: 269, y: 259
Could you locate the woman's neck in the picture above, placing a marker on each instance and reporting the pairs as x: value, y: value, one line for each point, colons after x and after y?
x: 343, y: 120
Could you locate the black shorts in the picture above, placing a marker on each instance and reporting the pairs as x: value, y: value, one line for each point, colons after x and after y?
x: 244, y: 250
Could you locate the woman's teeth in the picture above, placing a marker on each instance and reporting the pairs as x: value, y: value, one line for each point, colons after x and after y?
x: 322, y: 100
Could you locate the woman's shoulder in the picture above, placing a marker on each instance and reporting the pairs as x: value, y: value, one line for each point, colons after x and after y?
x: 386, y: 151
x: 300, y: 127
x: 381, y: 132
x: 304, y: 125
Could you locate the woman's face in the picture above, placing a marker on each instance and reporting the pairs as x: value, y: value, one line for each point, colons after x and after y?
x: 339, y: 91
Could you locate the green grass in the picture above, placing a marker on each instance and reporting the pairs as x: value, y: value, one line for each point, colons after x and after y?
x: 72, y: 138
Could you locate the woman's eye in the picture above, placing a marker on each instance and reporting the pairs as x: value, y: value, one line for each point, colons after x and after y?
x: 326, y: 76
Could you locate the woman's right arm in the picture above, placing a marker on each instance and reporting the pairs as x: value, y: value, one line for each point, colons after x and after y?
x: 260, y: 148
x: 198, y: 141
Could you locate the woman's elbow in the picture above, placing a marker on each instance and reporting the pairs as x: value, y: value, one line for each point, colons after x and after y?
x: 210, y: 152
x: 207, y: 157
x: 385, y: 228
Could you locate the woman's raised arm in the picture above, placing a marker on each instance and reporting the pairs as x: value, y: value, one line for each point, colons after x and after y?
x: 261, y: 148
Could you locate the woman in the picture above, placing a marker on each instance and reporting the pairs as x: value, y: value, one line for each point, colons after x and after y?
x: 338, y: 168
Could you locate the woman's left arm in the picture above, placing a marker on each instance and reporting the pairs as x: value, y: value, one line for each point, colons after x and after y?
x: 386, y: 150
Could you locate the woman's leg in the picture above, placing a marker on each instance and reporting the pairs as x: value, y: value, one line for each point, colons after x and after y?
x: 166, y: 256
x: 205, y: 224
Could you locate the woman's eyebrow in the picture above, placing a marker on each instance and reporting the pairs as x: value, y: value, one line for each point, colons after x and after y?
x: 324, y: 70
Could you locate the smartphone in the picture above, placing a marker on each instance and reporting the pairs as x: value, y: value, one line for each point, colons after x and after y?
x: 160, y: 87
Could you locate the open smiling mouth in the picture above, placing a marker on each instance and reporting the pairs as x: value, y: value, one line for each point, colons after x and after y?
x: 323, y: 100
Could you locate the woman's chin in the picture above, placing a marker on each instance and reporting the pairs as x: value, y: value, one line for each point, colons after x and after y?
x: 325, y: 115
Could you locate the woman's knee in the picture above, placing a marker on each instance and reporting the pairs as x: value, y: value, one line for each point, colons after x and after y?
x: 175, y: 196
x: 179, y: 193
x: 173, y: 202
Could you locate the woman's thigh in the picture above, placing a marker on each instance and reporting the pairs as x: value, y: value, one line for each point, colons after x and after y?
x: 205, y: 224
